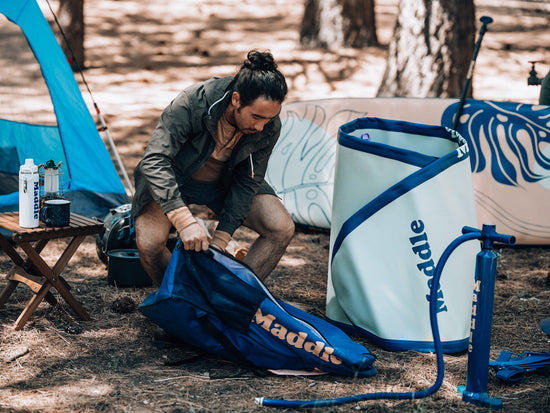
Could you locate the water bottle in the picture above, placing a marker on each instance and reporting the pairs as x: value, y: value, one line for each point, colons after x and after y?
x: 29, y: 195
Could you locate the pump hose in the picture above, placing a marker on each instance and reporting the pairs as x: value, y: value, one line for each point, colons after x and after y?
x: 437, y: 345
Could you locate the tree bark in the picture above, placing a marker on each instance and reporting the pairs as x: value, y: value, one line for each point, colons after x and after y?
x: 331, y: 24
x: 359, y: 23
x: 71, y: 18
x: 431, y: 49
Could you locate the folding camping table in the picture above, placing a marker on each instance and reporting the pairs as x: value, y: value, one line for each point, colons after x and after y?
x: 34, y: 271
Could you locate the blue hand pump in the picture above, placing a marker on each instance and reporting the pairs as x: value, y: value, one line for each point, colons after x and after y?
x: 475, y: 391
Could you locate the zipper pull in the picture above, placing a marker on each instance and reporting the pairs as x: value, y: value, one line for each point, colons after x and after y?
x: 251, y: 166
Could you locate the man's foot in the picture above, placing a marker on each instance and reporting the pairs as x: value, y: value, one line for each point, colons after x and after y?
x: 162, y: 339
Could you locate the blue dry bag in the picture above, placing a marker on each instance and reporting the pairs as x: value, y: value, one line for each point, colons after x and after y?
x: 215, y: 302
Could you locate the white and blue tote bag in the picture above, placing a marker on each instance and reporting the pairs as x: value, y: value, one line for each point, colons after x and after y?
x: 402, y: 192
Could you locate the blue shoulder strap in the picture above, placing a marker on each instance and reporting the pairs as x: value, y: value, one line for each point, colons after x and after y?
x: 512, y: 367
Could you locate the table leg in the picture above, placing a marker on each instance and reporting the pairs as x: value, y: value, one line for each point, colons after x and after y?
x: 19, y: 262
x: 34, y: 282
x: 32, y: 305
x: 8, y: 290
x: 12, y: 253
x: 52, y: 274
x: 67, y: 254
x: 18, y: 275
x: 38, y: 247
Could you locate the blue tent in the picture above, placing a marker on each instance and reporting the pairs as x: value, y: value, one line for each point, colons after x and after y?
x: 90, y: 179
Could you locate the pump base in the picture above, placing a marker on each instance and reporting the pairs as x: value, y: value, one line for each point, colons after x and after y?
x: 480, y: 399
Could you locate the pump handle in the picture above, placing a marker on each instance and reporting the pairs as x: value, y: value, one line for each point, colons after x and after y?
x: 489, y: 232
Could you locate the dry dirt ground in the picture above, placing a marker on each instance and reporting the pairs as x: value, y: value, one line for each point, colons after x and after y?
x: 139, y: 55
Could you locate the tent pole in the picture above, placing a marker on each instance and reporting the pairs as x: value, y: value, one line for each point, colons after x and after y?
x: 115, y: 152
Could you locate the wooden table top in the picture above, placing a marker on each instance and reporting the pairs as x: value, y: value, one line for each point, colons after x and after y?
x: 79, y: 225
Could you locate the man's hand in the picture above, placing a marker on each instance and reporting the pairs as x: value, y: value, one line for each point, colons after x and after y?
x: 220, y: 240
x: 192, y: 235
x: 194, y: 238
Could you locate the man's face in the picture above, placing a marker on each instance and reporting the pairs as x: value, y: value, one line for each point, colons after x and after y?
x: 252, y: 118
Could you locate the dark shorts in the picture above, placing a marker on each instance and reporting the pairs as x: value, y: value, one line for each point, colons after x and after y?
x: 211, y: 194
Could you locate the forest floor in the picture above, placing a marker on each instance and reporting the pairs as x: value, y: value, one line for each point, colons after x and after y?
x: 140, y: 54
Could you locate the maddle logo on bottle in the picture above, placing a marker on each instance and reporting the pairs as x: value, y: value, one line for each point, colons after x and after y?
x: 36, y: 203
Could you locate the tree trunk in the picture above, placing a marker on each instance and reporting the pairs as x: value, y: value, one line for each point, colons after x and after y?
x: 71, y: 18
x: 431, y: 49
x: 331, y: 24
x: 359, y: 23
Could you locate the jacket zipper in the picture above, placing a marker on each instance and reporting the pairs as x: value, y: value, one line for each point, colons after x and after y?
x: 251, y: 166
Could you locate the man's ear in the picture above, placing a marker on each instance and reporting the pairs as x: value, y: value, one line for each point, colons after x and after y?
x: 236, y: 99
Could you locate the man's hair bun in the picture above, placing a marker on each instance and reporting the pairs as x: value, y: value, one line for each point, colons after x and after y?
x: 260, y: 61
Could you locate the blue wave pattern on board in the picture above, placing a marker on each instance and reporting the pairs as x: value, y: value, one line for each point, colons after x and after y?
x: 511, y: 135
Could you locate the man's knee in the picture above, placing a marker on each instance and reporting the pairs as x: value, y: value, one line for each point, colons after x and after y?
x: 278, y: 225
x: 285, y: 229
x: 150, y: 246
x: 152, y: 231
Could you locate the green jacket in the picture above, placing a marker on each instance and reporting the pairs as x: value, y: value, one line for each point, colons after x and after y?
x: 184, y: 140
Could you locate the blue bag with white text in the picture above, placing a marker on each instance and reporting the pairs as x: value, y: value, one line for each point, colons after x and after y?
x: 215, y: 302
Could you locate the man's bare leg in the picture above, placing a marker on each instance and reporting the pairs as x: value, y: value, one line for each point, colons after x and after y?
x: 269, y: 218
x: 152, y: 230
